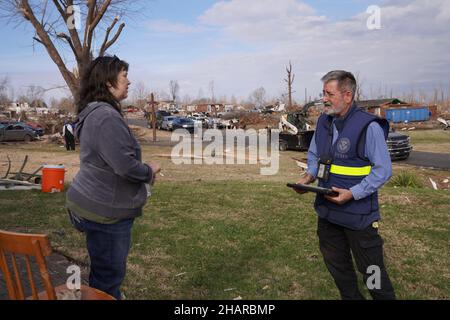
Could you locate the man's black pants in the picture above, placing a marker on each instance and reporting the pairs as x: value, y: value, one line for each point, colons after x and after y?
x: 336, y: 243
x: 70, y: 141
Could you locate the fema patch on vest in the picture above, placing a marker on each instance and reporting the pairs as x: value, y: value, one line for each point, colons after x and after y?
x: 343, y: 145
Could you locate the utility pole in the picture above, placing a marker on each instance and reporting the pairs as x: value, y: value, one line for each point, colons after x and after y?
x: 152, y: 105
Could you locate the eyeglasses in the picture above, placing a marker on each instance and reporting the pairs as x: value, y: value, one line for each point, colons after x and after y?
x: 327, y: 94
x: 331, y: 95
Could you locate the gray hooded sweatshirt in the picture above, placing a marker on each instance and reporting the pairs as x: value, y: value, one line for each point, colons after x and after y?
x: 111, y: 180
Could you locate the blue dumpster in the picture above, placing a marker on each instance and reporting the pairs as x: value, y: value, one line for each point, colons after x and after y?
x: 408, y: 114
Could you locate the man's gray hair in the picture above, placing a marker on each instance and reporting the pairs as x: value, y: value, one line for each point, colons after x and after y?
x: 346, y: 80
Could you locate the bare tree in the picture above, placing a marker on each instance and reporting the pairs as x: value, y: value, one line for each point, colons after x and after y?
x: 211, y: 91
x: 359, y: 84
x: 54, y: 103
x: 200, y: 94
x: 233, y: 100
x: 174, y: 89
x: 290, y: 81
x: 66, y: 104
x: 223, y: 99
x: 4, y: 99
x: 140, y: 95
x: 258, y: 97
x: 161, y: 95
x: 34, y: 94
x: 67, y: 24
x: 186, y: 99
x: 4, y: 84
x: 21, y: 97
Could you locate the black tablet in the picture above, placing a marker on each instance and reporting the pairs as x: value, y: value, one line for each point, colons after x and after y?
x: 310, y: 188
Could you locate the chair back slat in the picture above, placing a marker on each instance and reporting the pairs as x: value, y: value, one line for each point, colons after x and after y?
x: 7, y: 275
x: 18, y: 282
x: 30, y: 279
x: 43, y: 270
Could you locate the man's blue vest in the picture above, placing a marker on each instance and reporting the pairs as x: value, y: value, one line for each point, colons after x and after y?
x: 347, y: 155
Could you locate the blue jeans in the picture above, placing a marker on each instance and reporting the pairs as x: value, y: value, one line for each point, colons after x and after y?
x: 108, y: 246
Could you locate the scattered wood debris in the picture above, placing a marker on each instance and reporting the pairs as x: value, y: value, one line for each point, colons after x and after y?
x: 180, y: 274
x: 301, y: 163
x: 433, y: 184
x: 11, y: 184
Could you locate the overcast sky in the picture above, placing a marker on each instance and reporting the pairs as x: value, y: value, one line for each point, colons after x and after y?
x: 245, y: 44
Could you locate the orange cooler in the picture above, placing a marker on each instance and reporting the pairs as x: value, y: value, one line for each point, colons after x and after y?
x: 53, y: 178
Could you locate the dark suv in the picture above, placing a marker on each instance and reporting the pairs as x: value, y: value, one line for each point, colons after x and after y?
x: 183, y: 123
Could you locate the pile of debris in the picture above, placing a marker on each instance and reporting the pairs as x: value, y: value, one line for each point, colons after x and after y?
x: 445, y: 115
x: 258, y: 121
x: 51, y: 125
x: 20, y: 180
x: 56, y: 138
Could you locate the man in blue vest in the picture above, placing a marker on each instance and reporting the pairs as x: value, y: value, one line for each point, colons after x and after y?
x: 348, y: 153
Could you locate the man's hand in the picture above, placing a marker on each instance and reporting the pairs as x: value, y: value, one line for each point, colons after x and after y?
x: 343, y: 196
x: 156, y: 168
x: 306, y: 179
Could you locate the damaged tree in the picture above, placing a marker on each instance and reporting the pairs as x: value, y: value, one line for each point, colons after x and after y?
x: 174, y: 89
x: 290, y: 81
x: 73, y: 23
x: 4, y: 99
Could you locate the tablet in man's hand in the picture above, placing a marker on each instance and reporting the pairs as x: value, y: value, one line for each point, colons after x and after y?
x: 307, y: 187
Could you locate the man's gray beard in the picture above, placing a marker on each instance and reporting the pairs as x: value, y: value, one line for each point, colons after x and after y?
x: 332, y: 112
x: 329, y: 111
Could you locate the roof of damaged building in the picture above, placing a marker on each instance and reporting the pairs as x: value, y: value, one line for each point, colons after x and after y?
x: 379, y: 102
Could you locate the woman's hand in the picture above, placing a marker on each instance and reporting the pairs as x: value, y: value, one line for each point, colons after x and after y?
x: 156, y: 168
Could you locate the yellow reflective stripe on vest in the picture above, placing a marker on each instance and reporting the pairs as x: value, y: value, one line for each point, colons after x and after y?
x: 350, y: 171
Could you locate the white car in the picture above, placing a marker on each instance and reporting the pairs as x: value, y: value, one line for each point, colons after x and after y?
x: 167, y: 123
x: 199, y: 119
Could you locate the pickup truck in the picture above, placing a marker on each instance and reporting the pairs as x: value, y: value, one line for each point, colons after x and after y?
x: 399, y: 145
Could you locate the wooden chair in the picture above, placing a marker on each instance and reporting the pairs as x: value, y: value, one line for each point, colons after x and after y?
x: 37, y: 246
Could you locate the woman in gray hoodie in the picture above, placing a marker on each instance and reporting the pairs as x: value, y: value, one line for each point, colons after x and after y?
x: 109, y: 191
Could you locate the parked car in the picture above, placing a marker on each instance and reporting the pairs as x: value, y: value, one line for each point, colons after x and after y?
x: 7, y: 122
x: 167, y: 122
x: 200, y: 120
x: 17, y: 132
x: 36, y: 127
x: 183, y: 123
x: 160, y: 114
x: 214, y: 123
x: 399, y: 145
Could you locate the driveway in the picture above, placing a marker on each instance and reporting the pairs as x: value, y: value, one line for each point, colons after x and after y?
x: 428, y: 160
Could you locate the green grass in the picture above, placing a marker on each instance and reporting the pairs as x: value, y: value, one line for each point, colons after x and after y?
x: 429, y: 136
x: 253, y: 239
